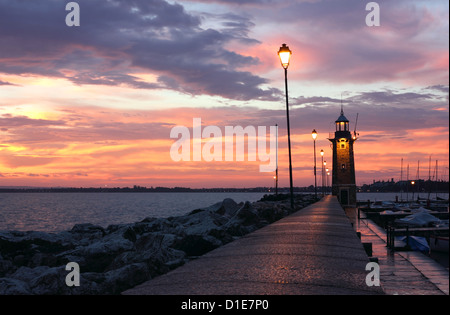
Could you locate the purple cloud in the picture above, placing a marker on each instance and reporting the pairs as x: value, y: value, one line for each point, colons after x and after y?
x: 6, y: 83
x: 8, y: 120
x: 119, y: 38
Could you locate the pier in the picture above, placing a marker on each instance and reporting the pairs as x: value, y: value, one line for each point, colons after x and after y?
x: 314, y: 251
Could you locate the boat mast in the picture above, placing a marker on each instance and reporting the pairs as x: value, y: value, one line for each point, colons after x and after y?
x: 401, y: 181
x: 407, y: 183
x: 436, y: 179
x: 418, y: 178
x: 429, y: 178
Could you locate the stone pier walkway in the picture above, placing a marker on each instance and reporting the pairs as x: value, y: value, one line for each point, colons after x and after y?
x: 313, y: 251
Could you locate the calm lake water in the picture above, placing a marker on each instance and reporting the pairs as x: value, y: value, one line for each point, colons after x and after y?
x: 52, y: 212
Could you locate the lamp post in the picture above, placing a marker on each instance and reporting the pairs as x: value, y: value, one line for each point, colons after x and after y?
x: 328, y: 175
x: 322, y: 153
x: 276, y: 170
x: 275, y: 178
x: 314, y: 136
x: 285, y: 56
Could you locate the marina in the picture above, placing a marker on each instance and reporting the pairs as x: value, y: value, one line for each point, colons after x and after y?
x: 426, y: 222
x: 410, y: 243
x: 404, y: 272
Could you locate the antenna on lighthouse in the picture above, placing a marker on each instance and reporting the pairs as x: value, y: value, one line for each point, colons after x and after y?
x: 355, y: 134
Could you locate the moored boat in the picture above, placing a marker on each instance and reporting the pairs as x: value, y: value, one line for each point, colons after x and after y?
x: 439, y: 243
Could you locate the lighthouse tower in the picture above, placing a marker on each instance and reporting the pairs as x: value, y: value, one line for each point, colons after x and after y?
x: 344, y: 184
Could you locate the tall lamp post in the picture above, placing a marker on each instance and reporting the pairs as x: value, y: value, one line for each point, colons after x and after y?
x: 322, y: 153
x: 285, y: 56
x: 276, y: 170
x: 328, y: 175
x: 314, y: 136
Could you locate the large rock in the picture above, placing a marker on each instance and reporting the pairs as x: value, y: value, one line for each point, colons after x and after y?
x: 198, y: 223
x: 5, y: 266
x: 226, y: 208
x: 50, y: 281
x: 197, y: 245
x: 119, y: 280
x: 153, y: 249
x: 11, y: 286
x: 98, y: 255
x: 31, y: 249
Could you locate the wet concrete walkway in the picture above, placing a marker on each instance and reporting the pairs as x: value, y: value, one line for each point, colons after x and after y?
x: 403, y: 273
x: 313, y: 251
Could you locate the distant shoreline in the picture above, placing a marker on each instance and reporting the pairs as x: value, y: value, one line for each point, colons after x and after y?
x: 139, y: 189
x: 156, y: 189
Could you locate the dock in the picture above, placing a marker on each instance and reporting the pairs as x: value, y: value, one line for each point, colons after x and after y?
x: 314, y: 251
x: 403, y: 272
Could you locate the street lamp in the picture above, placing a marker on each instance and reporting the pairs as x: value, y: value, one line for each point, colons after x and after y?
x: 322, y: 153
x: 275, y: 184
x: 314, y: 136
x: 285, y: 56
x: 276, y: 170
x: 328, y: 175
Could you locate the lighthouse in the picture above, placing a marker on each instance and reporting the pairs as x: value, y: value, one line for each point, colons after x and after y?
x: 343, y: 179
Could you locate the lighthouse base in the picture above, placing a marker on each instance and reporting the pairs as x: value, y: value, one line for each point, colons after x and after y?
x: 346, y: 194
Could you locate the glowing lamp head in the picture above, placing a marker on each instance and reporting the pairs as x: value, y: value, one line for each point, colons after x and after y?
x: 285, y: 56
x: 322, y: 153
x: 314, y: 134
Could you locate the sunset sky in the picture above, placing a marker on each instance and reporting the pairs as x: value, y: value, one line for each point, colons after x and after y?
x: 93, y: 105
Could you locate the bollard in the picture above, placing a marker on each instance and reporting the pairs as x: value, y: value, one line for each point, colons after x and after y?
x: 368, y: 248
x: 407, y: 238
x: 373, y: 259
x: 390, y: 237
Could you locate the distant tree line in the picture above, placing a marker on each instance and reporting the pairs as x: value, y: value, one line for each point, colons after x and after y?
x: 410, y: 185
x: 137, y: 188
x: 377, y: 186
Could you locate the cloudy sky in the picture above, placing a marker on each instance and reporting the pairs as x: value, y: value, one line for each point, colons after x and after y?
x: 93, y: 105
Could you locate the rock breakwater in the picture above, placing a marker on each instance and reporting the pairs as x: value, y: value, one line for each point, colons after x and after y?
x: 121, y: 256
